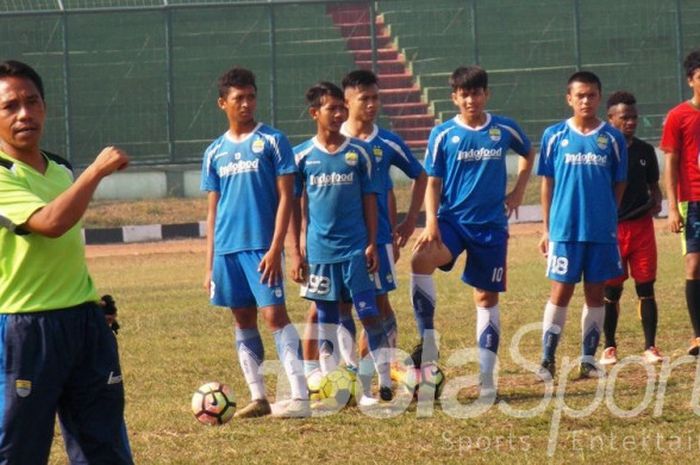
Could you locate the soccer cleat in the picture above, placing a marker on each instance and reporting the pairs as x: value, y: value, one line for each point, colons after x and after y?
x: 652, y: 355
x: 546, y: 371
x: 367, y: 401
x: 694, y: 348
x: 609, y: 356
x: 296, y: 408
x: 257, y: 408
x: 416, y: 356
x: 589, y: 370
x: 385, y: 393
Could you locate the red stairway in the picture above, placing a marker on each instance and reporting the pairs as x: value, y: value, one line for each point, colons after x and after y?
x: 401, y: 98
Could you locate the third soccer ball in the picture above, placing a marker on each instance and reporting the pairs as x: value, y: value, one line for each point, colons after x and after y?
x: 339, y: 385
x: 213, y: 404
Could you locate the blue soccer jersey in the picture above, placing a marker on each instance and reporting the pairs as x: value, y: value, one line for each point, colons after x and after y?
x: 389, y: 150
x: 335, y: 184
x: 472, y: 165
x: 244, y: 174
x: 585, y: 169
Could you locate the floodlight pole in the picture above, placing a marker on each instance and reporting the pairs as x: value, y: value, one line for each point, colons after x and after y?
x: 475, y: 33
x: 679, y: 48
x: 273, y: 68
x: 66, y: 82
x: 577, y: 35
x: 373, y: 35
x: 169, y: 106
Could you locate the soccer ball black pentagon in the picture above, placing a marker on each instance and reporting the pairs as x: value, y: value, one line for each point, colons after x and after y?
x: 213, y: 404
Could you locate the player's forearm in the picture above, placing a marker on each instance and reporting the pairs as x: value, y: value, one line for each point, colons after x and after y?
x: 285, y: 188
x: 619, y: 190
x: 212, y: 204
x: 417, y: 196
x: 546, y: 200
x: 655, y: 193
x: 294, y: 230
x: 369, y: 204
x: 671, y: 178
x: 432, y: 199
x: 391, y: 204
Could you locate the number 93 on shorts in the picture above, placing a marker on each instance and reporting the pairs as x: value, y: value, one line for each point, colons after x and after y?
x: 336, y: 282
x: 568, y: 261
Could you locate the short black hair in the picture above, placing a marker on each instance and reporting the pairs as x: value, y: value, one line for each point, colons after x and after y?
x: 692, y: 62
x: 586, y: 77
x: 621, y: 97
x: 468, y: 78
x: 318, y: 90
x: 359, y: 77
x: 236, y: 77
x: 16, y: 68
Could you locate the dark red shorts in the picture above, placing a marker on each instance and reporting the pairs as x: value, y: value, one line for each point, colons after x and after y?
x: 638, y: 250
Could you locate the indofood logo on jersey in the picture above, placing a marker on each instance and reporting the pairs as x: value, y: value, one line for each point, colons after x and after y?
x: 588, y: 158
x: 495, y: 134
x: 238, y: 167
x: 479, y: 154
x: 331, y: 179
x: 351, y: 158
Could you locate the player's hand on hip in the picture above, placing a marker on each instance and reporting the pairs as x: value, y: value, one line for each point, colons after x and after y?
x: 543, y: 245
x: 270, y: 268
x: 109, y: 160
x: 404, y: 230
x: 372, y: 258
x: 675, y: 221
x: 429, y: 238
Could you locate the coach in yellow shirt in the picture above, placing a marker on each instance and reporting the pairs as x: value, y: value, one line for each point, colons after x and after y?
x: 57, y: 353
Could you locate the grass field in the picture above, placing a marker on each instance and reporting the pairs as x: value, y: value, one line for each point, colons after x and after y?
x: 172, y: 341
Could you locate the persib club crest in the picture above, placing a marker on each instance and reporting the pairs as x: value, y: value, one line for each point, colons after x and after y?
x: 495, y: 134
x: 378, y: 153
x: 602, y: 142
x: 23, y: 387
x: 351, y: 158
x: 258, y: 146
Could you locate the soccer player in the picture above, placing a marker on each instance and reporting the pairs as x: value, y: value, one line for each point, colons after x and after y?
x: 680, y: 142
x: 361, y: 91
x: 57, y: 353
x: 248, y: 173
x: 635, y: 231
x: 467, y: 209
x: 338, y: 186
x: 583, y: 164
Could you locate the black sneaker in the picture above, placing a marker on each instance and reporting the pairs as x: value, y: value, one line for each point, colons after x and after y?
x: 416, y: 356
x: 546, y: 370
x: 386, y: 394
x: 589, y: 370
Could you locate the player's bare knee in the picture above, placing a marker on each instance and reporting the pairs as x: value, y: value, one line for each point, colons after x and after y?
x: 384, y: 306
x: 245, y: 318
x: 645, y: 290
x: 275, y: 316
x: 485, y: 299
x: 612, y: 294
